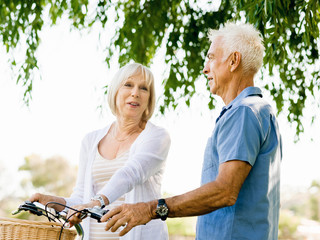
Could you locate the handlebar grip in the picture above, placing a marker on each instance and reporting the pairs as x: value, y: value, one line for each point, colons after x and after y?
x: 39, y: 205
x: 96, y: 216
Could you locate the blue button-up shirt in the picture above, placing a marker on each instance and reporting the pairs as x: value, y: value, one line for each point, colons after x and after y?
x: 246, y: 130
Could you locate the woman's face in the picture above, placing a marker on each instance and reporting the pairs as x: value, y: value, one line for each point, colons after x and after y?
x: 133, y: 97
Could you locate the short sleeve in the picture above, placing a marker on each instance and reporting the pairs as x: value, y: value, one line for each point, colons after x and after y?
x: 239, y: 136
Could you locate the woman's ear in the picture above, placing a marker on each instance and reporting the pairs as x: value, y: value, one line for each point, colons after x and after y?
x: 235, y: 60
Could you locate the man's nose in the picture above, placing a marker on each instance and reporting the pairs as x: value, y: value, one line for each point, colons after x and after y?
x: 206, y: 68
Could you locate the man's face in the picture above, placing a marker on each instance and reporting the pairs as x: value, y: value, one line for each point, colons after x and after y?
x: 216, y: 68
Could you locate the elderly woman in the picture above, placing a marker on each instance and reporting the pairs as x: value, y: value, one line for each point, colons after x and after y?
x: 123, y: 162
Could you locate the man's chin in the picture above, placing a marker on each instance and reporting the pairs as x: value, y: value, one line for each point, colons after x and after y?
x: 213, y: 90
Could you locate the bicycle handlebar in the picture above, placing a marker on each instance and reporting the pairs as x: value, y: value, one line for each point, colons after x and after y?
x: 53, y: 215
x: 40, y: 210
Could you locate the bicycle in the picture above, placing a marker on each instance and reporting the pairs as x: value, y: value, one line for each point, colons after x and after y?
x: 55, y: 216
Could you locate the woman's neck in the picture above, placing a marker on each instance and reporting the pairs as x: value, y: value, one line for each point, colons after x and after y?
x: 128, y: 126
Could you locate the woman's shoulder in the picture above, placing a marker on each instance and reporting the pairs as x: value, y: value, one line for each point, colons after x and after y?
x: 152, y: 129
x: 96, y: 134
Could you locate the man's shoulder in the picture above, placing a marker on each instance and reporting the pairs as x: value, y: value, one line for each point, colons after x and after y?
x: 257, y: 105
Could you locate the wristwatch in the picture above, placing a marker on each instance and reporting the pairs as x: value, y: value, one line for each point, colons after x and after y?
x: 100, y: 199
x: 162, y: 210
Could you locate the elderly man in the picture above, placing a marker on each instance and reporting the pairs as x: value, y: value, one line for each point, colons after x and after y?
x: 239, y: 194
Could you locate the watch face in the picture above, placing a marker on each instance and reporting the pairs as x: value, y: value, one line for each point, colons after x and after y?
x: 162, y: 210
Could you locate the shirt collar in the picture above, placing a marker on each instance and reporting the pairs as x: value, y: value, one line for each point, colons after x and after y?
x: 245, y: 93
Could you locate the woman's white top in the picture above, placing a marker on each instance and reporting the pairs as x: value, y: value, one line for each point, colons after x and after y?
x: 139, y: 180
x: 102, y: 171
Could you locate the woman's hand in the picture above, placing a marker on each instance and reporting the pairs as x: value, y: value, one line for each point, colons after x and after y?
x: 75, y: 217
x: 41, y: 198
x: 44, y: 199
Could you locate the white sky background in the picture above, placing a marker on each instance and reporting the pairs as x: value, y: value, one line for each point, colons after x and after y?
x: 64, y: 109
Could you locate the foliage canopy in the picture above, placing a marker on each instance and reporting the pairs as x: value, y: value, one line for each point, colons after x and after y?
x: 290, y: 29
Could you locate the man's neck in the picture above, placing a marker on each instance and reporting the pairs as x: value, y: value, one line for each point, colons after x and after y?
x: 237, y: 85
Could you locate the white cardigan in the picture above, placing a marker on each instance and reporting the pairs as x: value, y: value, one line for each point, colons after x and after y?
x: 139, y: 180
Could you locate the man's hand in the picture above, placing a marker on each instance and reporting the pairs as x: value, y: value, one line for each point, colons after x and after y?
x: 129, y: 216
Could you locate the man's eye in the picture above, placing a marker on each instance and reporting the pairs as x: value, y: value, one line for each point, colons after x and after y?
x: 210, y: 57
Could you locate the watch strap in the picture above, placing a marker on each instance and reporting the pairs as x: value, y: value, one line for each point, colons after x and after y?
x: 100, y: 199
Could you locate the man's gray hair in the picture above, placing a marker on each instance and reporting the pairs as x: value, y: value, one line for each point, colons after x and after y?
x: 243, y: 38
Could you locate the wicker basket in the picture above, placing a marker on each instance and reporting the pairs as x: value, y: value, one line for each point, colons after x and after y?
x: 16, y: 229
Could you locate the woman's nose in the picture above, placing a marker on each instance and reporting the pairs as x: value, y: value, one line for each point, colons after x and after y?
x: 135, y: 92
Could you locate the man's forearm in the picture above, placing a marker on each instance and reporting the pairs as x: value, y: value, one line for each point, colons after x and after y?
x: 220, y: 193
x: 200, y: 201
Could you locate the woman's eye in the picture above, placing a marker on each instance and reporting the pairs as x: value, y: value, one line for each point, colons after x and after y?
x: 144, y: 88
x: 127, y: 84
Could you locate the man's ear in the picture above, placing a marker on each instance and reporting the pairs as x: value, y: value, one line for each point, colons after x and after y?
x: 234, y: 62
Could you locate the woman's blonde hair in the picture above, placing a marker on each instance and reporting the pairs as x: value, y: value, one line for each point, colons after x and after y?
x: 122, y: 75
x: 243, y: 38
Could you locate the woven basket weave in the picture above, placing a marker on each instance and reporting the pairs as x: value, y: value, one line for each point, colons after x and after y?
x: 17, y: 229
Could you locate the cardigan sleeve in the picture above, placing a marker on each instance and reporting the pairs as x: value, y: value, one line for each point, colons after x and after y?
x: 145, y: 161
x: 78, y: 191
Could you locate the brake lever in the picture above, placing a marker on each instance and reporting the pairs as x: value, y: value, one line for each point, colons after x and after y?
x: 84, y: 213
x: 28, y: 206
x: 37, y: 209
x: 96, y: 212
